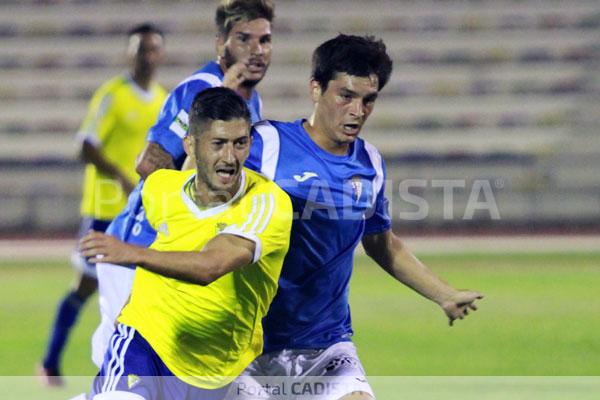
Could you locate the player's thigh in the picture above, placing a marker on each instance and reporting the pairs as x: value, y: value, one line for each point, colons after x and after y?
x: 252, y: 382
x: 129, y: 366
x: 340, y: 370
x: 333, y: 373
x: 114, y: 288
x: 80, y: 263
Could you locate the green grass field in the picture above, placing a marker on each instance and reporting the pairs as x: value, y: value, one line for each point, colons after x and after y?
x: 540, y: 317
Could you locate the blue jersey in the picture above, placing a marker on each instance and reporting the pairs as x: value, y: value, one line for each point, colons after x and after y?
x: 171, y: 127
x: 336, y: 200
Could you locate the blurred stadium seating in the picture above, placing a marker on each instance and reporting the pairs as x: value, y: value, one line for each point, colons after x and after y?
x: 507, y: 91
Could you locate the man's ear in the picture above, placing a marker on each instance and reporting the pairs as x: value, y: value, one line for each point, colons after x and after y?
x: 188, y: 145
x: 315, y: 90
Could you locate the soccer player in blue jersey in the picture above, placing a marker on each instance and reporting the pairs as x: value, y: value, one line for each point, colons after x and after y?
x: 336, y: 181
x: 243, y: 45
x: 111, y: 136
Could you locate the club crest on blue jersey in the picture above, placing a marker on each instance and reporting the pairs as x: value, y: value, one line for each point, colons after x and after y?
x: 357, y: 187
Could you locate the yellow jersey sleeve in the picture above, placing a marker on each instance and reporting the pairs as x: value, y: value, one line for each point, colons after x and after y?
x: 268, y: 220
x: 99, y: 120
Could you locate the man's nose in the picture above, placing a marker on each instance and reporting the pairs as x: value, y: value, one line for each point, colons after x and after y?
x: 357, y: 108
x: 256, y: 47
x: 229, y: 155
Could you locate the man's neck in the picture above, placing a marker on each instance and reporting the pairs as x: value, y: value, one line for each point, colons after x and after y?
x: 143, y: 81
x: 316, y: 134
x: 204, y: 197
x: 245, y: 92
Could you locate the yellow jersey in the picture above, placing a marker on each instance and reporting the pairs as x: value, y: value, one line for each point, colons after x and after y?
x: 207, y: 335
x: 118, y: 119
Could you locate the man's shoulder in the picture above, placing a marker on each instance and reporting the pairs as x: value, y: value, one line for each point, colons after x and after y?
x: 205, y: 77
x: 271, y: 133
x: 166, y: 179
x: 114, y: 83
x: 108, y: 90
x: 159, y: 90
x: 268, y: 125
x: 260, y: 184
x: 370, y: 152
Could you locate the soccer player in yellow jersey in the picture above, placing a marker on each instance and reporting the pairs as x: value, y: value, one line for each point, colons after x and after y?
x: 112, y: 134
x: 193, y: 321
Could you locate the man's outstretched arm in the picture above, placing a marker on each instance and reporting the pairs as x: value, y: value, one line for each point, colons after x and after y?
x: 396, y: 259
x: 222, y: 254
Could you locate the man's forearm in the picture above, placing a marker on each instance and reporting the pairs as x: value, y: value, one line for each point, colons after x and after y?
x: 397, y: 260
x: 92, y: 155
x: 191, y: 266
x: 409, y: 270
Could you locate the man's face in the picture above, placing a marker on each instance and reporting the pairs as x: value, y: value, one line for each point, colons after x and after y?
x: 343, y: 108
x: 146, y: 52
x: 249, y: 42
x: 220, y: 152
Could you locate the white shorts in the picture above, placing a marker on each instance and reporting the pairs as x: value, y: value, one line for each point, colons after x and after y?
x: 324, y: 374
x: 81, y: 265
x: 114, y: 288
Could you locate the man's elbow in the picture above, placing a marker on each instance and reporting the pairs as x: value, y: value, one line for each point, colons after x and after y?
x: 85, y: 152
x: 144, y: 168
x: 371, y: 247
x: 153, y: 157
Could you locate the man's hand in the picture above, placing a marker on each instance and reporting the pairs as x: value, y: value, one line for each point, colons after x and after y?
x: 99, y: 247
x: 458, y: 304
x: 234, y: 76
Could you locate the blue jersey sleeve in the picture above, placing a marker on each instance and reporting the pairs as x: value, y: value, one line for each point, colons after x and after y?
x: 172, y: 124
x: 255, y: 106
x: 254, y: 161
x: 378, y: 219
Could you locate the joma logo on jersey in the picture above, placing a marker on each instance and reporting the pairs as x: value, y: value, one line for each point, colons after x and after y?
x: 306, y: 175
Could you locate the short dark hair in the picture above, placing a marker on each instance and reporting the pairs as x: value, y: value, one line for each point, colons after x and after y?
x: 146, y: 27
x: 354, y: 55
x: 214, y: 104
x: 230, y: 12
